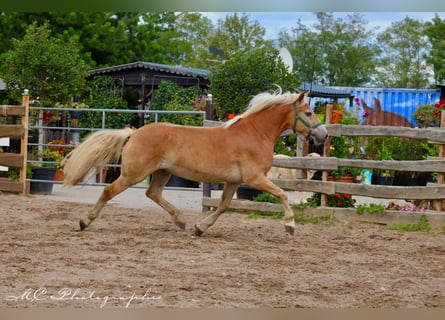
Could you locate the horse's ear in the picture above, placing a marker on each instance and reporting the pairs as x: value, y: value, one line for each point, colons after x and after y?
x: 365, y: 106
x: 377, y: 106
x: 302, y: 95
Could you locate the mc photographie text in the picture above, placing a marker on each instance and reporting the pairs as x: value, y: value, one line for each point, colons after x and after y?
x: 68, y: 294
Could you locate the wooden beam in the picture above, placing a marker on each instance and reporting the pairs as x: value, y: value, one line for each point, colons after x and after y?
x: 11, y: 130
x: 8, y: 159
x: 6, y: 110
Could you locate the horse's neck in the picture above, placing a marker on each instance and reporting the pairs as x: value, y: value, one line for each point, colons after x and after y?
x: 270, y: 122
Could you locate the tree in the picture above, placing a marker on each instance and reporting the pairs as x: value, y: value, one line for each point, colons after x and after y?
x: 103, y: 38
x: 333, y: 51
x: 51, y: 69
x: 237, y: 34
x: 236, y: 81
x: 194, y: 32
x: 435, y: 30
x: 402, y: 64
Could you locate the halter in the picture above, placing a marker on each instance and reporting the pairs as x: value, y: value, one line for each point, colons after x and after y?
x: 307, y: 125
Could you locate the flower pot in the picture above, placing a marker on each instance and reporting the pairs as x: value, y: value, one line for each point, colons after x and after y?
x: 344, y: 179
x: 382, y: 180
x: 76, y: 114
x: 58, y: 176
x: 247, y: 193
x: 42, y: 187
x: 336, y: 116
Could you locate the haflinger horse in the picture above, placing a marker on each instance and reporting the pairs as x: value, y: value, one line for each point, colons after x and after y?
x: 238, y: 152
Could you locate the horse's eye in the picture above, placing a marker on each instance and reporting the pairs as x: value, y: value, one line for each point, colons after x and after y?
x: 308, y: 114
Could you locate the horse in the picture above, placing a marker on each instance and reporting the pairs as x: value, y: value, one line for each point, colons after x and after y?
x: 239, y: 151
x: 379, y: 117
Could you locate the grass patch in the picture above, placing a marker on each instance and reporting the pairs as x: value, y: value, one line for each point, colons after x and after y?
x: 302, y: 218
x: 422, y: 225
x: 371, y: 208
x: 266, y: 214
x: 299, y: 217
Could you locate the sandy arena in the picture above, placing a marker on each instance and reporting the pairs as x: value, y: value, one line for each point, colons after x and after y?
x: 136, y: 257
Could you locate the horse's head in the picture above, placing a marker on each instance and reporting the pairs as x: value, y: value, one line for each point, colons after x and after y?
x: 306, y: 122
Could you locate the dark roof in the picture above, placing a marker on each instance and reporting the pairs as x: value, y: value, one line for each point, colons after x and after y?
x: 174, y: 70
x: 324, y: 92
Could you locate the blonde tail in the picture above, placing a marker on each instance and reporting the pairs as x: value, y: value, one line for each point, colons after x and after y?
x: 98, y: 149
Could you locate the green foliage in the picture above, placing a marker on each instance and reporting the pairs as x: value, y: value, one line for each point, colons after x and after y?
x: 51, y: 69
x: 302, y: 218
x: 425, y: 117
x: 334, y: 51
x: 236, y: 81
x: 172, y: 97
x: 266, y: 197
x: 435, y: 30
x: 103, y: 96
x: 286, y: 145
x: 261, y: 214
x: 422, y: 225
x: 104, y: 38
x: 405, y: 46
x: 372, y: 208
x: 237, y: 34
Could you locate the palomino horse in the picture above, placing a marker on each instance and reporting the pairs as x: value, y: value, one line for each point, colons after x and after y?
x: 238, y: 152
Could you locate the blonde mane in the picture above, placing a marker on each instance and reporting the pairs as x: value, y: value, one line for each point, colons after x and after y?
x: 263, y: 101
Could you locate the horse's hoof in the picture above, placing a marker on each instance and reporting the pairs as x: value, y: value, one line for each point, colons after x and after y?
x: 180, y: 224
x: 82, y: 225
x: 290, y: 230
x: 198, y: 232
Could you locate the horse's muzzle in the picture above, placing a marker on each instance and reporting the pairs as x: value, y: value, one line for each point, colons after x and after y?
x: 319, y: 135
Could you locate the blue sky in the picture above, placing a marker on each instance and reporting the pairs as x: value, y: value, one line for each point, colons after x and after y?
x: 274, y: 22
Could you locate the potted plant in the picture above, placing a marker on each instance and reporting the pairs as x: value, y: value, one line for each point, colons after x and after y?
x: 340, y: 200
x: 381, y: 148
x: 426, y: 116
x: 52, y: 158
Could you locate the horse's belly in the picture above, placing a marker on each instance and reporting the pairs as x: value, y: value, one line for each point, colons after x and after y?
x: 204, y: 173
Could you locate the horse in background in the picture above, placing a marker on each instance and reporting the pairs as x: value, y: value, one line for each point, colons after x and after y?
x: 290, y: 174
x: 378, y: 117
x: 238, y: 152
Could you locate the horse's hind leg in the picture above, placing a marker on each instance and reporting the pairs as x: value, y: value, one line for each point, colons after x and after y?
x: 108, y: 193
x: 224, y: 203
x: 158, y: 180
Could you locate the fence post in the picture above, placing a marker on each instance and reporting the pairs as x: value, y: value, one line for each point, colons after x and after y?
x: 24, y: 140
x: 210, y: 114
x: 439, y: 205
x: 327, y: 152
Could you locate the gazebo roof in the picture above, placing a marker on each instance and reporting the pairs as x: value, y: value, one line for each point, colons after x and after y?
x: 140, y: 72
x: 324, y: 92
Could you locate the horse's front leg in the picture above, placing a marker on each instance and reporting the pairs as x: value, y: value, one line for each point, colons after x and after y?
x: 264, y: 184
x: 226, y: 198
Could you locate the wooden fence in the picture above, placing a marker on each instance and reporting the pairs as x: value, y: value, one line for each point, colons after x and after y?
x: 432, y: 191
x: 15, y: 131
